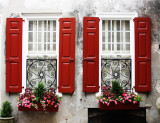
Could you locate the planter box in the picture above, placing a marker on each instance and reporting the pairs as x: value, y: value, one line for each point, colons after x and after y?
x: 6, y: 119
x: 119, y: 106
x: 40, y: 108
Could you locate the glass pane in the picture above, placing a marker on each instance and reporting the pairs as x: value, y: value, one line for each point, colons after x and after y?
x: 127, y: 47
x: 121, y: 37
x: 113, y: 24
x: 103, y: 47
x: 109, y: 36
x: 112, y: 47
x: 32, y: 25
x: 45, y: 35
x: 30, y: 47
x: 40, y: 25
x: 118, y: 47
x: 109, y: 47
x: 103, y: 25
x: 39, y: 47
x: 127, y: 25
x: 54, y: 47
x: 48, y: 47
x: 112, y: 36
x: 54, y: 25
x: 122, y: 25
x: 118, y: 25
x: 48, y: 37
x: 49, y: 25
x: 39, y: 36
x: 103, y: 37
x: 54, y: 36
x: 45, y: 25
x: 127, y: 35
x: 30, y: 37
x: 109, y: 25
x: 118, y: 36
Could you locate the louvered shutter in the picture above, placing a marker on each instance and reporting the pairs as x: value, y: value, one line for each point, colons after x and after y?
x: 142, y: 54
x: 90, y: 54
x: 67, y: 55
x: 14, y: 55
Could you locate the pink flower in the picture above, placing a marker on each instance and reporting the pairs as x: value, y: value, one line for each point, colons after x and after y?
x: 55, y: 106
x: 122, y: 101
x: 115, y: 102
x: 98, y: 101
x: 107, y: 104
x: 104, y: 98
x: 130, y: 100
x: 44, y: 98
x: 134, y: 102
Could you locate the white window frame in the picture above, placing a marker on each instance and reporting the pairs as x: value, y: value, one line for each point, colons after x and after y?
x: 118, y: 16
x: 38, y: 16
x: 0, y: 55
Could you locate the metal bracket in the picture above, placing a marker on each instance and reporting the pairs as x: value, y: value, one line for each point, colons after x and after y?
x: 85, y: 94
x: 9, y: 93
x: 72, y: 93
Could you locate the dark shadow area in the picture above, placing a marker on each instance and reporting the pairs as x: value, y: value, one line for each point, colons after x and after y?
x: 116, y: 116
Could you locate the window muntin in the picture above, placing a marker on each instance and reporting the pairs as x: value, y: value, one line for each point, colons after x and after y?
x: 115, y: 37
x: 42, y: 37
x: 41, y: 60
x: 116, y: 59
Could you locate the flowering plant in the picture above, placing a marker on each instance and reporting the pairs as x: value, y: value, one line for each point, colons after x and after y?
x: 121, y: 96
x: 50, y: 99
x: 27, y: 99
x: 31, y: 99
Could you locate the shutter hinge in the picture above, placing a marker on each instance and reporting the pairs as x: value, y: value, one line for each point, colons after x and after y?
x: 9, y: 93
x: 23, y: 20
x: 72, y: 93
x: 99, y: 20
x: 22, y: 86
x: 85, y: 94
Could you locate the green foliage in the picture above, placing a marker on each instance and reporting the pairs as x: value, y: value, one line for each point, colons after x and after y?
x: 6, y: 109
x: 137, y: 98
x: 39, y: 91
x: 116, y: 88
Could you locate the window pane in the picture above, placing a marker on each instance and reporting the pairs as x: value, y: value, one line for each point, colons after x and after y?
x: 127, y: 26
x: 32, y: 25
x: 127, y: 37
x: 118, y: 25
x: 103, y: 36
x: 54, y: 47
x: 30, y: 47
x: 54, y: 25
x: 30, y: 37
x: 127, y: 47
x: 54, y: 36
x: 118, y: 36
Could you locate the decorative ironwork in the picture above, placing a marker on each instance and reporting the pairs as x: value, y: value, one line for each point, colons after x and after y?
x: 116, y: 69
x: 42, y: 70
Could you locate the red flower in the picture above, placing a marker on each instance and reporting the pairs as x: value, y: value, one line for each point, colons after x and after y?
x: 52, y: 103
x: 124, y: 94
x: 48, y: 101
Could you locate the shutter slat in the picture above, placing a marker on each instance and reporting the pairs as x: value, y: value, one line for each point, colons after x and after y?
x: 142, y: 54
x: 67, y: 55
x: 90, y: 54
x: 14, y: 55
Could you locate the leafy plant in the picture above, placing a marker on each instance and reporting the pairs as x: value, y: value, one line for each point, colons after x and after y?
x: 116, y: 88
x: 6, y: 109
x: 39, y: 91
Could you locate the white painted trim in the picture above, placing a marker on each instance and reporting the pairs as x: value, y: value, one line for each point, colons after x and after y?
x: 118, y: 16
x: 39, y: 16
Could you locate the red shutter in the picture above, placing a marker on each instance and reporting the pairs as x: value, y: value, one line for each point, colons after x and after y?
x: 90, y: 54
x: 67, y: 55
x: 142, y: 54
x: 14, y: 55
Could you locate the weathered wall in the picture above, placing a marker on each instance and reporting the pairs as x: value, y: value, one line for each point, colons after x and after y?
x: 73, y: 109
